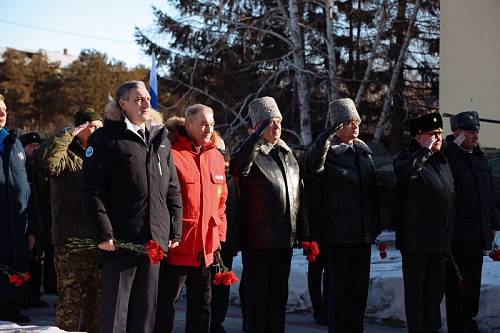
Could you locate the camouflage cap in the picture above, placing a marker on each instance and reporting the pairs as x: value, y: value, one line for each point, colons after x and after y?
x: 468, y: 120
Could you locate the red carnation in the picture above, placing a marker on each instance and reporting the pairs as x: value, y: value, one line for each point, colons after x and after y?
x: 229, y: 278
x: 218, y: 279
x: 311, y: 250
x: 495, y: 255
x: 382, y: 246
x: 16, y: 279
x: 154, y: 252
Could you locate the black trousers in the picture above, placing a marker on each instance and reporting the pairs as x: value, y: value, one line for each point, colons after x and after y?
x: 129, y: 288
x: 266, y: 289
x: 198, y: 292
x: 220, y: 295
x: 34, y: 293
x: 348, y: 279
x: 462, y: 304
x: 49, y: 270
x: 316, y: 284
x: 243, y: 303
x: 424, y: 277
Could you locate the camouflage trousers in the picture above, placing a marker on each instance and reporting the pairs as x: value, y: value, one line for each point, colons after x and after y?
x: 79, y: 290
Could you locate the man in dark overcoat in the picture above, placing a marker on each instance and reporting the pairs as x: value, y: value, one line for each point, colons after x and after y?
x: 424, y: 221
x: 349, y: 198
x: 475, y: 223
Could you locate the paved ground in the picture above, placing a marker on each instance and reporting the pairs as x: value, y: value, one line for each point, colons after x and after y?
x: 295, y: 323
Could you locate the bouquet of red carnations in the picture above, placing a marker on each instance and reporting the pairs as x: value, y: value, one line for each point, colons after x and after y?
x: 311, y: 250
x: 222, y: 275
x: 16, y: 278
x: 151, y: 249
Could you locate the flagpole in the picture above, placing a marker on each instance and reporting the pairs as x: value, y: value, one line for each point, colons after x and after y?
x: 153, y: 83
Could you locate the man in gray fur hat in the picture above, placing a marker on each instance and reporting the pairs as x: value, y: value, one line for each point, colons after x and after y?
x: 350, y: 220
x: 475, y: 223
x: 268, y: 177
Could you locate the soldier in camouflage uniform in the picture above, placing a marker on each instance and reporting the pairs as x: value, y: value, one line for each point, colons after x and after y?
x: 79, y: 284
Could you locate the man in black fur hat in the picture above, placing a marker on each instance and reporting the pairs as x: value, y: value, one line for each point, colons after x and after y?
x: 424, y: 221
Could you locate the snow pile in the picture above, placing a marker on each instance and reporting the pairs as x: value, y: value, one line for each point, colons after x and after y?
x: 6, y: 326
x: 386, y: 293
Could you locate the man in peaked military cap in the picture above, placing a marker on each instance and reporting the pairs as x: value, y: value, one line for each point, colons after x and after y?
x: 424, y: 221
x: 476, y: 220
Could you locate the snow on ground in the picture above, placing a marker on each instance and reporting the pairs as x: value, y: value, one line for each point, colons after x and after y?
x: 386, y: 294
x: 6, y: 326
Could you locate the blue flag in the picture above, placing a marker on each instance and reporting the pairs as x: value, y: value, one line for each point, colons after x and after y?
x: 153, y: 83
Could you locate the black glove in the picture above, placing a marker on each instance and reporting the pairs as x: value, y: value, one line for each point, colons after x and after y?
x: 262, y: 127
x: 335, y: 128
x: 327, y: 135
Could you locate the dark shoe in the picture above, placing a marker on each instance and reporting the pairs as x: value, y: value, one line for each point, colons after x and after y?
x: 17, y: 318
x: 50, y: 290
x: 320, y: 320
x: 38, y: 304
x: 217, y: 329
x: 472, y: 327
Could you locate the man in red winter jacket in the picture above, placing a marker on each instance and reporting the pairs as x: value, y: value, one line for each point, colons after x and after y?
x: 200, y: 168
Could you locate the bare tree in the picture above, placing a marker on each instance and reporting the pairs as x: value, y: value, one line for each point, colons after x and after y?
x: 379, y: 130
x: 382, y: 19
x: 300, y: 74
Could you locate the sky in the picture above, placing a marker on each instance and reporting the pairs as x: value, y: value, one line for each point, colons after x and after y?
x: 24, y: 24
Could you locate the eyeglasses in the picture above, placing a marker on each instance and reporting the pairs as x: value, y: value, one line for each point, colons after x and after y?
x: 353, y: 122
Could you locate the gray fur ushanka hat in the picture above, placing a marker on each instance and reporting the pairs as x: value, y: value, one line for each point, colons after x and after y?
x: 343, y: 110
x: 262, y: 109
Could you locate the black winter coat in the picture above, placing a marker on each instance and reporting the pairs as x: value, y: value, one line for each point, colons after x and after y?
x: 425, y: 211
x: 264, y: 201
x: 130, y: 189
x: 476, y: 215
x: 348, y: 191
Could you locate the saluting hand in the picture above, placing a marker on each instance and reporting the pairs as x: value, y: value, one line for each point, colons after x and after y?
x: 76, y: 130
x: 262, y: 127
x: 426, y: 142
x: 459, y: 138
x: 335, y: 128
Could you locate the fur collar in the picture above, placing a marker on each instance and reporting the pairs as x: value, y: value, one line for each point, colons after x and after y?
x: 113, y: 113
x: 266, y: 147
x: 339, y: 147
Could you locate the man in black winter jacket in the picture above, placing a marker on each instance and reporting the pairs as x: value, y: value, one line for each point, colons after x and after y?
x: 424, y: 221
x: 350, y: 205
x: 131, y: 193
x: 476, y: 220
x: 268, y: 178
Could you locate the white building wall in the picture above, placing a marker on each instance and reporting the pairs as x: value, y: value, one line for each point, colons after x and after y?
x: 470, y: 62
